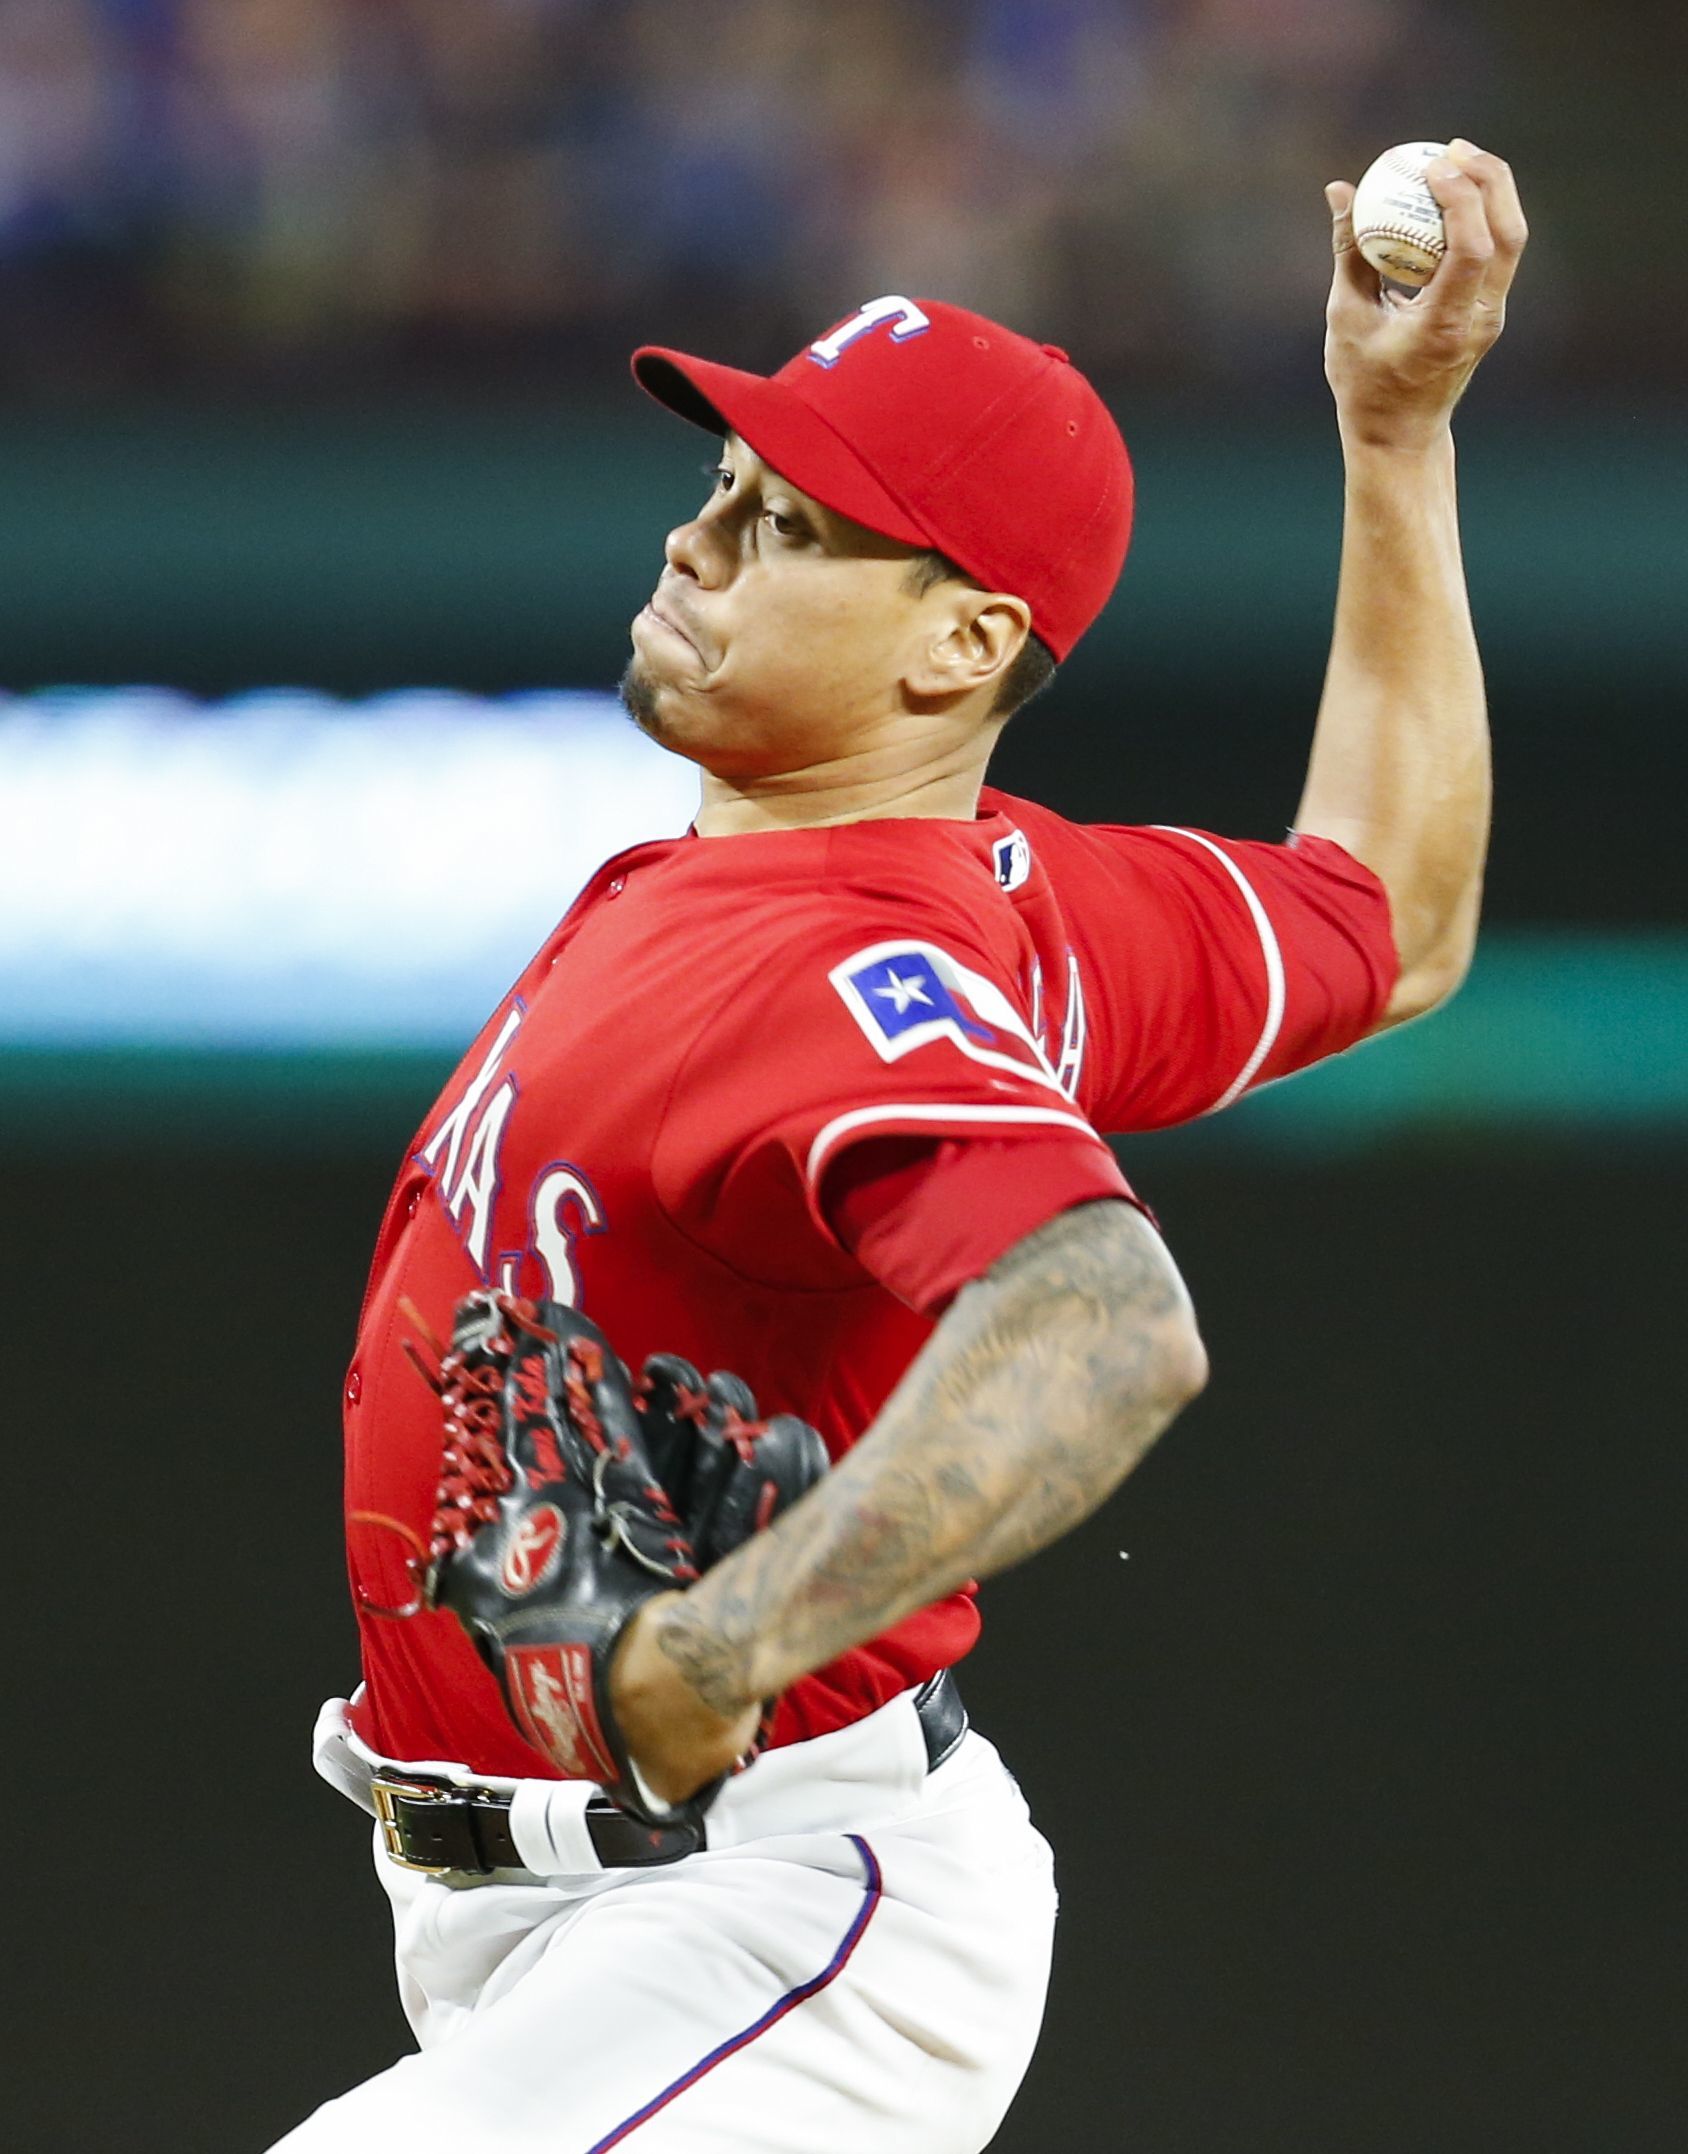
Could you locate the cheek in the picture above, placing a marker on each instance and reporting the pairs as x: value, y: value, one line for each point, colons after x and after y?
x: 824, y: 644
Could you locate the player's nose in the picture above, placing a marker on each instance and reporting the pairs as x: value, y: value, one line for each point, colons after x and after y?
x: 692, y: 549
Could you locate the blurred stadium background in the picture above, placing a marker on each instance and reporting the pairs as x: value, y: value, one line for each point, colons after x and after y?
x: 327, y: 503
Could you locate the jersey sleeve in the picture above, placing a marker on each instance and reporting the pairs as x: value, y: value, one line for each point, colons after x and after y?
x: 1208, y: 966
x: 858, y: 1033
x: 924, y: 1216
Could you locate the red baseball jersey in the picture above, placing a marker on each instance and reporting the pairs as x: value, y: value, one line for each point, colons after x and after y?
x: 677, y: 1121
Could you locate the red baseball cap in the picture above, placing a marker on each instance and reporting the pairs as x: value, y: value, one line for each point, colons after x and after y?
x: 944, y: 430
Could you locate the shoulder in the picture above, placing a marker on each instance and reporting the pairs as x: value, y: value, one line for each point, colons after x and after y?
x: 1063, y: 838
x: 896, y: 935
x: 1077, y: 860
x: 1161, y: 859
x: 870, y: 881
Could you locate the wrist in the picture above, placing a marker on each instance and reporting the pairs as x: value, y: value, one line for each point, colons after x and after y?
x: 1389, y: 444
x: 677, y: 1700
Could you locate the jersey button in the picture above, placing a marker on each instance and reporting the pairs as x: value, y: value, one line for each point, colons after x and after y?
x: 354, y: 1388
x: 411, y: 1202
x: 618, y: 886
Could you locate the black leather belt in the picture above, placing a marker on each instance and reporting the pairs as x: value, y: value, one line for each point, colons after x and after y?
x: 442, y: 1825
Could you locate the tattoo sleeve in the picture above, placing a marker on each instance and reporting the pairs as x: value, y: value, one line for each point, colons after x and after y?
x: 1044, y: 1384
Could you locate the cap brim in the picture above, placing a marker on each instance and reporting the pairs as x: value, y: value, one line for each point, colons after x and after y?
x: 784, y: 431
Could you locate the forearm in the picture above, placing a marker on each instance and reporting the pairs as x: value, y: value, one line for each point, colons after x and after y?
x: 1040, y: 1390
x: 1399, y: 772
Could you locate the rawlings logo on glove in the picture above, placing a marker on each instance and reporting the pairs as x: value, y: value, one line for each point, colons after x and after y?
x: 567, y: 1499
x: 534, y: 1545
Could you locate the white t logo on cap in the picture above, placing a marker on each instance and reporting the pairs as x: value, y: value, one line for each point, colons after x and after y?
x: 907, y: 317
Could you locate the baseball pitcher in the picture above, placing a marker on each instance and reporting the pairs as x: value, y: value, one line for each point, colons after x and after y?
x: 761, y: 1282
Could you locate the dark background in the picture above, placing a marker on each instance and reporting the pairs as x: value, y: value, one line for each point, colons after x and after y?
x: 1364, y: 1770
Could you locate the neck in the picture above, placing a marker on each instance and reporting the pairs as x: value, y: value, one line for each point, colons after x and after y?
x: 861, y: 788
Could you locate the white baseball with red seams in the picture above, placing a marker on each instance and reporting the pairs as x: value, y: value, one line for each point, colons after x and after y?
x: 1397, y: 220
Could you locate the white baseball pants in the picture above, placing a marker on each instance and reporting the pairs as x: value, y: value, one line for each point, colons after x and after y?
x: 857, y: 1964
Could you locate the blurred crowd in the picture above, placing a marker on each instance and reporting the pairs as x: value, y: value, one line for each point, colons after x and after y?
x: 328, y: 190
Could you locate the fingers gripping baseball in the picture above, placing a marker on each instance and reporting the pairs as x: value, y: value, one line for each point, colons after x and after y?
x: 1353, y: 272
x: 1399, y: 362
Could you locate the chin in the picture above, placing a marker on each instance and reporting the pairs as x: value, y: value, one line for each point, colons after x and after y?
x: 643, y: 699
x: 639, y: 697
x: 694, y: 728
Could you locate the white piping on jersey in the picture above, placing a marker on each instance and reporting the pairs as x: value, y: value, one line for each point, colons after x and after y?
x: 1269, y: 949
x: 860, y: 1117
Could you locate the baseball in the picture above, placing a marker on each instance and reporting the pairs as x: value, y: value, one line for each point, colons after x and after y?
x: 1397, y: 222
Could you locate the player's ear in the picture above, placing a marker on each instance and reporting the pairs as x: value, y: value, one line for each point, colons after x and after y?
x: 973, y: 638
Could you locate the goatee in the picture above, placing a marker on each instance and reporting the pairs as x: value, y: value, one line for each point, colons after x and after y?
x: 638, y: 699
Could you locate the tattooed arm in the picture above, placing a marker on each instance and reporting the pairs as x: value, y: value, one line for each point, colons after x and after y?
x: 1044, y: 1384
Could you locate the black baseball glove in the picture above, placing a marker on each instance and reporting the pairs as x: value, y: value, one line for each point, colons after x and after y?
x: 552, y: 1525
x: 727, y: 1472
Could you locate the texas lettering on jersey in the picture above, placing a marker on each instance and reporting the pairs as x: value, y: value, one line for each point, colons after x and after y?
x: 463, y: 1157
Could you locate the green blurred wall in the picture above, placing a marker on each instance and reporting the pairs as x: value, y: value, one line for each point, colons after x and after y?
x: 218, y: 549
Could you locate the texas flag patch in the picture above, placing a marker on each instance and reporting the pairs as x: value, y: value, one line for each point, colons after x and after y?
x: 905, y: 995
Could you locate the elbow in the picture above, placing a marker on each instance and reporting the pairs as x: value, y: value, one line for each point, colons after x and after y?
x: 1437, y: 944
x: 1432, y: 981
x: 1436, y: 935
x: 1183, y: 1370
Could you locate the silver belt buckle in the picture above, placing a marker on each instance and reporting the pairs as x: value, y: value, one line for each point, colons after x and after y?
x: 383, y: 1789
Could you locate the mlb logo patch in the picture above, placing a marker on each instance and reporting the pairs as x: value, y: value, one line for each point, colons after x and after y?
x: 1013, y: 858
x: 905, y: 995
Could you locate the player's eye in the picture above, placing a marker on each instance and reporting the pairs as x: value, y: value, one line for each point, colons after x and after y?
x: 783, y: 526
